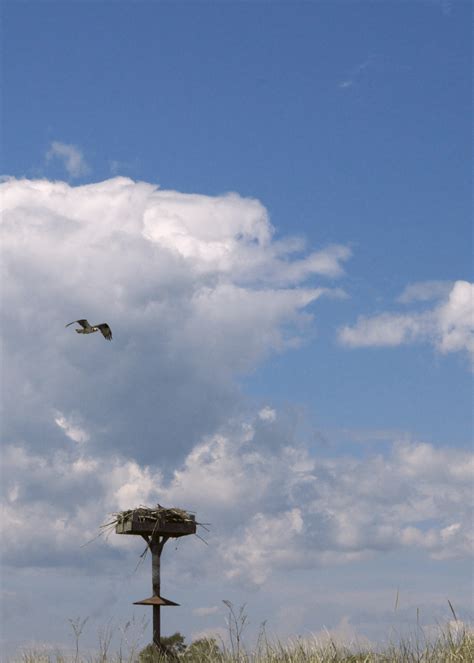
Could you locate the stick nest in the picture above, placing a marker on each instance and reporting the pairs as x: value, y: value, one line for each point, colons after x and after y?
x: 158, y: 512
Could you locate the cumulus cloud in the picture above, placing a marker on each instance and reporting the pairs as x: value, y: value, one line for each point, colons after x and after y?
x: 267, y: 414
x: 449, y: 326
x: 70, y: 494
x: 71, y: 157
x: 196, y: 288
x: 424, y: 291
x: 455, y: 320
x: 71, y: 429
x: 304, y: 512
x: 344, y: 634
x: 271, y: 508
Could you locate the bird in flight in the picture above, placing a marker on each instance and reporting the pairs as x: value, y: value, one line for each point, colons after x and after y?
x: 90, y: 329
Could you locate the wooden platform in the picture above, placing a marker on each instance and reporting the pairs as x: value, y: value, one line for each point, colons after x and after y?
x: 140, y: 523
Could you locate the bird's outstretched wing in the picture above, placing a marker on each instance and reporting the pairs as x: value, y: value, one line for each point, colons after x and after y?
x: 83, y: 323
x: 105, y: 330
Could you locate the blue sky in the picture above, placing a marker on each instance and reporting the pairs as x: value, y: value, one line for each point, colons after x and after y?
x: 341, y: 125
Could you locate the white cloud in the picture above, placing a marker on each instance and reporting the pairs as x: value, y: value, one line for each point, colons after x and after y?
x: 219, y: 633
x: 267, y: 414
x: 386, y: 329
x: 455, y: 320
x: 336, y: 510
x: 344, y: 634
x: 262, y: 544
x: 71, y: 156
x: 71, y: 495
x: 196, y: 289
x: 423, y: 291
x: 280, y: 520
x: 270, y: 509
x: 71, y: 429
x: 449, y: 326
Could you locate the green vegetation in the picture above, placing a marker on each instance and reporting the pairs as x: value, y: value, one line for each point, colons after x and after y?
x: 454, y: 643
x: 204, y: 649
x: 452, y: 646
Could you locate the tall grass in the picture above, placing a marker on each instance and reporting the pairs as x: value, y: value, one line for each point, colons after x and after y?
x: 444, y: 650
x: 452, y: 643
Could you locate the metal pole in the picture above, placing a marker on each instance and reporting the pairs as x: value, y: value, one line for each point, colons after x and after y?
x: 156, y: 547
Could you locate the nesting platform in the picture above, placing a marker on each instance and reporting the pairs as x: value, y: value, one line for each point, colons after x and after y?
x: 171, y: 523
x: 156, y: 525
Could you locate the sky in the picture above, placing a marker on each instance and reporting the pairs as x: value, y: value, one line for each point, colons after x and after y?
x: 270, y: 205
